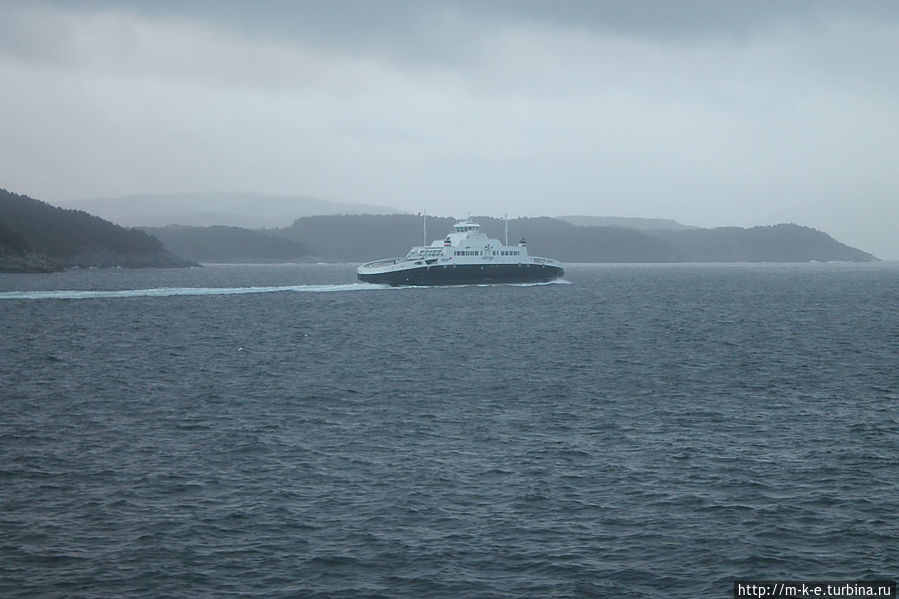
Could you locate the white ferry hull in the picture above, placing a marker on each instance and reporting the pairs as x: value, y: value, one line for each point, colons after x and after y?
x: 463, y: 274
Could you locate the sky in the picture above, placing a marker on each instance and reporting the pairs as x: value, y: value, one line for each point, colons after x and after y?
x: 713, y: 113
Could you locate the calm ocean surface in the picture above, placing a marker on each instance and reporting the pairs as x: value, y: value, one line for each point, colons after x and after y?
x: 281, y: 431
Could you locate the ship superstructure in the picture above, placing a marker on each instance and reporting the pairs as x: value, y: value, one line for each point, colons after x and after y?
x: 465, y: 256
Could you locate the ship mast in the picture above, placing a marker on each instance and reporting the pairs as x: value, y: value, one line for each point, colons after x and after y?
x: 424, y: 228
x: 506, y: 221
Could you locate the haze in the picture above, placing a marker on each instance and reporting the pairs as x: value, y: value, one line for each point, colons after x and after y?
x: 710, y: 113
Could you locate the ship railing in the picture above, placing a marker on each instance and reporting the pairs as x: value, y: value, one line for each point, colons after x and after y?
x: 380, y: 263
x: 545, y: 261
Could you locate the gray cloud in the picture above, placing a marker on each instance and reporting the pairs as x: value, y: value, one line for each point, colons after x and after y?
x: 713, y: 113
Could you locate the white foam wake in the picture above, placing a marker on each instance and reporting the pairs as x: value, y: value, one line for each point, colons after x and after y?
x: 173, y: 291
x: 540, y: 283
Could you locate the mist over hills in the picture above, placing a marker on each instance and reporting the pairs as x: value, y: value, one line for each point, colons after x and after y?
x: 627, y: 222
x: 249, y: 210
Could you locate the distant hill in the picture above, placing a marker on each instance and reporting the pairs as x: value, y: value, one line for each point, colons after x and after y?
x: 227, y: 244
x: 626, y: 222
x: 35, y: 236
x: 775, y: 243
x: 359, y: 238
x: 368, y: 237
x: 249, y: 210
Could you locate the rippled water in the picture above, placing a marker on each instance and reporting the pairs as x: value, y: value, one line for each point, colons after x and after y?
x: 642, y: 431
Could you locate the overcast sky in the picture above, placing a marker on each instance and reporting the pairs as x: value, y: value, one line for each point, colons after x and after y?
x: 709, y: 112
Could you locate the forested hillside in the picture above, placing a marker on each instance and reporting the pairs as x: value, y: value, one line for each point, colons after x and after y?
x: 63, y: 238
x: 775, y: 243
x: 227, y: 244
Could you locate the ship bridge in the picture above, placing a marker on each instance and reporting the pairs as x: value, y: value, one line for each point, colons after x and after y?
x: 462, y: 231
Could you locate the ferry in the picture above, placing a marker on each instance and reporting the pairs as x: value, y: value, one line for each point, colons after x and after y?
x: 466, y: 256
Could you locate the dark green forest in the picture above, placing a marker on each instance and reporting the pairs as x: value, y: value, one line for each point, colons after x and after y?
x: 12, y: 242
x: 59, y: 233
x: 73, y: 237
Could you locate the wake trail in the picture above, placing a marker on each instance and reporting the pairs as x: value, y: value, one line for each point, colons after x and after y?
x: 74, y: 294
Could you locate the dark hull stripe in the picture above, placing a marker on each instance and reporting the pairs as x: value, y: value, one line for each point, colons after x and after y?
x: 467, y: 274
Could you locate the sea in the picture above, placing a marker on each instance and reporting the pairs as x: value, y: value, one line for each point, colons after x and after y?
x: 281, y: 430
